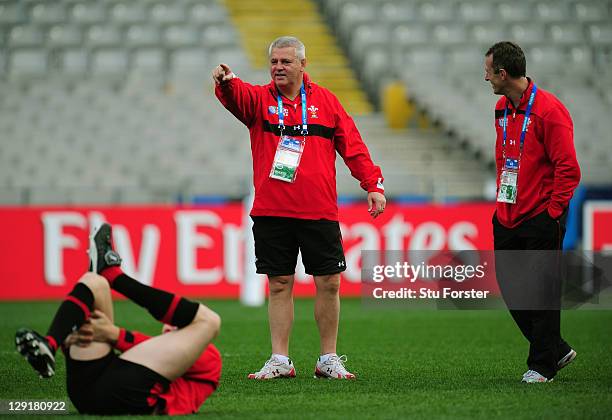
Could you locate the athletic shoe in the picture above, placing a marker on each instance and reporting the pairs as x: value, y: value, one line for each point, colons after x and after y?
x: 274, y: 369
x: 531, y: 377
x: 567, y: 359
x: 101, y: 253
x: 333, y: 368
x: 36, y: 350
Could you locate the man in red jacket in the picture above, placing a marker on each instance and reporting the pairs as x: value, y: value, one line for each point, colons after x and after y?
x: 296, y: 128
x: 537, y: 173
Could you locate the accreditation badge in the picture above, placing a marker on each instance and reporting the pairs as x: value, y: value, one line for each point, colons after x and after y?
x: 507, y: 187
x: 287, y: 159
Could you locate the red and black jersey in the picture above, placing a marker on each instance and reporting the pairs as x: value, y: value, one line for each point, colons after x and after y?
x: 313, y: 193
x: 548, y: 172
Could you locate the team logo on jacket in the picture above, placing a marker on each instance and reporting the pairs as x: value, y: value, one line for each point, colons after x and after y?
x: 313, y: 111
x: 273, y: 110
x: 501, y: 122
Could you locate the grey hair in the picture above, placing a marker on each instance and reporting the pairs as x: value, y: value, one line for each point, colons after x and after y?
x: 289, y: 41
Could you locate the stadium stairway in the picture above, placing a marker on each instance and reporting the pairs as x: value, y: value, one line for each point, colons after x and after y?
x: 416, y: 164
x: 261, y: 21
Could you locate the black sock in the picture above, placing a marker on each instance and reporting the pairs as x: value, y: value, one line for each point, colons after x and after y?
x: 165, y: 307
x: 71, y: 314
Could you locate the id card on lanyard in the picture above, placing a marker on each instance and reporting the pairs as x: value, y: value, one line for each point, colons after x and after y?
x: 289, y: 149
x: 508, y: 179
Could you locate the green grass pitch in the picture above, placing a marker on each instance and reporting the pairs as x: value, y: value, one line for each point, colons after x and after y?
x: 410, y: 364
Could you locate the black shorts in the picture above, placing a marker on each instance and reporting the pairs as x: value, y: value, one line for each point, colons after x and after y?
x: 278, y: 240
x: 112, y: 386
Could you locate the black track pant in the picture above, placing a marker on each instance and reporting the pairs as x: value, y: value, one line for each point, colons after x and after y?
x: 528, y: 275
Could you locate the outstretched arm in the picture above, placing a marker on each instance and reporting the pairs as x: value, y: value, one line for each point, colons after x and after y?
x: 236, y: 96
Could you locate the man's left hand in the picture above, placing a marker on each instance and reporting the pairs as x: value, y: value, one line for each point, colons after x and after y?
x: 376, y: 204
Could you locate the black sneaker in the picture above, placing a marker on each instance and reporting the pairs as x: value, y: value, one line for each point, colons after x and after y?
x: 36, y: 350
x: 101, y: 253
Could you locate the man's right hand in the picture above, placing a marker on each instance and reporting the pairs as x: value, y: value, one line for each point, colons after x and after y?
x: 222, y: 73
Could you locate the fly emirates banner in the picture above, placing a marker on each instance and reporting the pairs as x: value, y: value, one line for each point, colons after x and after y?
x: 200, y: 251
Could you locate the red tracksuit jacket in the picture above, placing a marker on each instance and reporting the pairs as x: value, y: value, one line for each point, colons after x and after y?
x: 549, y: 172
x: 313, y: 194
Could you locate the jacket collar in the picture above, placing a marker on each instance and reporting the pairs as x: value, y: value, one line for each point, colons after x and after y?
x: 524, y: 97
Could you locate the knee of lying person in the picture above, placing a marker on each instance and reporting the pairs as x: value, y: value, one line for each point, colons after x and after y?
x: 95, y: 282
x: 208, y: 318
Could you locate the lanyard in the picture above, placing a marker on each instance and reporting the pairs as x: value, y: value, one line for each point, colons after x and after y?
x: 525, y: 121
x: 281, y: 115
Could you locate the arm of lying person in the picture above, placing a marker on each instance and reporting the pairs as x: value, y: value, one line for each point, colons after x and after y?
x: 100, y: 328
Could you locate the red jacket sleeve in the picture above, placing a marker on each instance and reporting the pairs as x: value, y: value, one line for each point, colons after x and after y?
x: 239, y: 98
x: 128, y: 339
x: 559, y: 144
x: 353, y: 150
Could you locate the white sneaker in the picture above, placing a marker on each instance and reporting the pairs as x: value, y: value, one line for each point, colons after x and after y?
x: 274, y: 369
x: 333, y: 368
x: 567, y: 359
x: 531, y: 377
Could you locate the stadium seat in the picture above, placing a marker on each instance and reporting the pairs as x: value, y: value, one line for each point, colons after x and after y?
x: 219, y: 36
x: 128, y: 12
x: 28, y: 62
x: 188, y: 60
x: 485, y: 34
x: 515, y: 12
x: 591, y: 11
x: 48, y: 13
x: 404, y: 36
x: 25, y: 36
x: 367, y: 37
x: 567, y: 34
x: 447, y: 34
x: 73, y: 61
x: 142, y: 35
x: 601, y: 34
x: 148, y: 60
x: 88, y: 13
x: 168, y: 12
x: 528, y: 34
x: 439, y: 11
x: 64, y: 35
x: 109, y: 61
x: 104, y: 36
x: 398, y: 13
x: 12, y: 13
x: 353, y: 14
x: 480, y: 11
x: 580, y: 61
x: 545, y: 60
x: 552, y: 12
x: 207, y: 13
x: 181, y: 36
